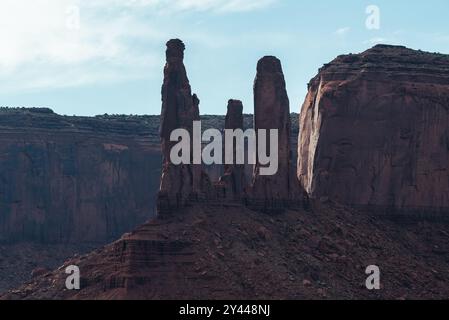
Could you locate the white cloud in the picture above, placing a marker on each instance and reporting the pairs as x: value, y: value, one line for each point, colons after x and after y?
x: 171, y: 6
x: 342, y: 31
x: 222, y: 5
x: 40, y: 47
x: 378, y: 40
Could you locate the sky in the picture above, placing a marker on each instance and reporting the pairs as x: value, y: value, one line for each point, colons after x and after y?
x: 89, y: 57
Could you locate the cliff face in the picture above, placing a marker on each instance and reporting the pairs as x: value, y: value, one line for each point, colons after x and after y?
x: 80, y: 179
x: 375, y: 130
x: 69, y: 179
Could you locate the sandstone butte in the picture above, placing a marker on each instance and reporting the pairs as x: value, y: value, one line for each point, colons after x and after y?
x: 375, y: 131
x: 213, y: 249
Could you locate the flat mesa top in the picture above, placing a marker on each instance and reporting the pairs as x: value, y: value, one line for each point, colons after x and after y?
x: 394, y: 62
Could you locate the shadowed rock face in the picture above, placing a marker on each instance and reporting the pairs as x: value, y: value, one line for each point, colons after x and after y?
x: 80, y: 179
x: 234, y: 175
x: 271, y: 111
x: 74, y: 179
x: 374, y: 129
x: 179, y: 109
x: 234, y: 116
x: 250, y: 256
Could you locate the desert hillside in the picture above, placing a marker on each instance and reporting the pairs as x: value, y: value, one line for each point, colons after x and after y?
x: 222, y: 251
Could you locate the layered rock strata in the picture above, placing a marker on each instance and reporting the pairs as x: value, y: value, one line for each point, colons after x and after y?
x: 74, y: 179
x: 375, y: 130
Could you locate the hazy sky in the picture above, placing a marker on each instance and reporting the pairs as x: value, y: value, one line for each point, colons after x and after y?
x: 90, y: 57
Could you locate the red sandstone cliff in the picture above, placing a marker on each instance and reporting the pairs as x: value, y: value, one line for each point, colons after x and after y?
x: 80, y: 179
x: 374, y: 130
x: 74, y: 179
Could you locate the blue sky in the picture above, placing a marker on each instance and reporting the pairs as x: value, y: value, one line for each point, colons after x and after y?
x: 88, y: 57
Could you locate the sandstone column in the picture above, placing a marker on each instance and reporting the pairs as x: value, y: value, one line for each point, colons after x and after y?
x: 179, y: 109
x: 272, y: 111
x: 234, y: 175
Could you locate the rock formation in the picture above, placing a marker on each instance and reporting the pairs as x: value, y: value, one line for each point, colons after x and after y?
x: 250, y: 256
x: 179, y: 110
x: 182, y: 184
x: 271, y: 111
x: 234, y: 175
x: 374, y: 124
x: 74, y: 179
x: 109, y: 167
x: 375, y: 130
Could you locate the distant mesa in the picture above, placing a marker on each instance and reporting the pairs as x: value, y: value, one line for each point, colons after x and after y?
x: 75, y: 180
x: 30, y: 110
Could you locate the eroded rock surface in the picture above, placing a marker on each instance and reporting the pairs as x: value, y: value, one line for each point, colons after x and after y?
x: 179, y: 110
x: 234, y: 178
x: 375, y: 130
x: 74, y: 179
x: 230, y: 252
x: 271, y: 111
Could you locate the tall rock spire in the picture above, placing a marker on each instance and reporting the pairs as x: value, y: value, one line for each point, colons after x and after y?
x: 234, y: 175
x: 179, y: 109
x: 272, y: 111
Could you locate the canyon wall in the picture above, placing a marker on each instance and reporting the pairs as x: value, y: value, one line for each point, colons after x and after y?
x: 74, y: 179
x: 375, y: 130
x: 80, y: 179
